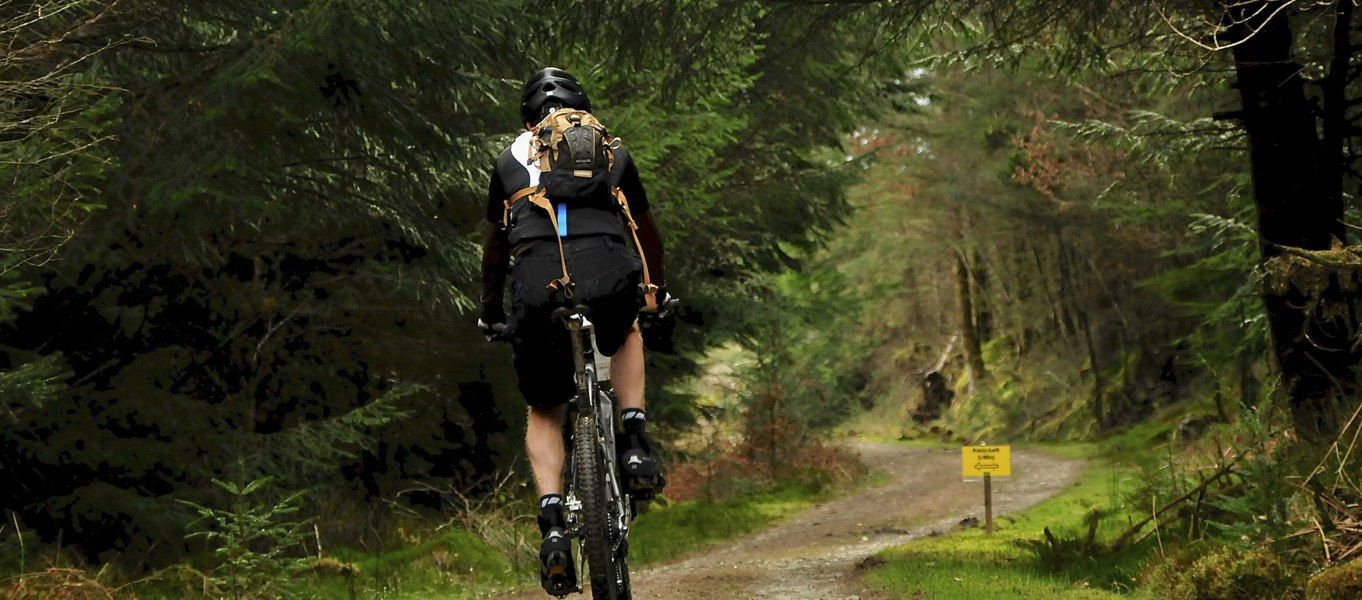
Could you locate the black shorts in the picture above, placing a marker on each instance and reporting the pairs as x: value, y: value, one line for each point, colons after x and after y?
x: 607, y: 276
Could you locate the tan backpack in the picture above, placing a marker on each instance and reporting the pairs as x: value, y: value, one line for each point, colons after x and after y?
x: 575, y: 153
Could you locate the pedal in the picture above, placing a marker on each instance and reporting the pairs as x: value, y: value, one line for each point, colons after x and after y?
x: 576, y: 589
x: 646, y: 490
x: 557, y: 575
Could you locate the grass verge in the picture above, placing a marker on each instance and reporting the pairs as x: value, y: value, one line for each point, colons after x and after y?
x: 457, y: 565
x: 1016, y: 561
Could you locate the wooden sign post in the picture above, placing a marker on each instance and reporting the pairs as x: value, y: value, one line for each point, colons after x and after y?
x: 986, y: 462
x: 988, y: 503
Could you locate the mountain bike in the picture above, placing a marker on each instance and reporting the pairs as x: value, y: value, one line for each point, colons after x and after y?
x: 597, y: 509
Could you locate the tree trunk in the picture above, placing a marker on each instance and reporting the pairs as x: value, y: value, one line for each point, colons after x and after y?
x: 1058, y: 318
x: 1299, y: 206
x: 969, y: 332
x: 983, y: 303
x: 1248, y: 385
x: 1022, y: 300
x: 1065, y: 288
x: 1099, y: 411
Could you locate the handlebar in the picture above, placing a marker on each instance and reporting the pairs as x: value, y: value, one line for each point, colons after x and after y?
x: 496, y: 332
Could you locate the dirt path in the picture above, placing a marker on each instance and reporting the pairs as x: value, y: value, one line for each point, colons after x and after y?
x: 809, y: 556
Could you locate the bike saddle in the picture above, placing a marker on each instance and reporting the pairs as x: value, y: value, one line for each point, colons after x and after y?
x: 571, y: 311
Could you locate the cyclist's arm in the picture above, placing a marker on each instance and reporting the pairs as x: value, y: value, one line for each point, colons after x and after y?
x: 496, y: 253
x: 648, y: 235
x: 495, y: 258
x: 651, y: 240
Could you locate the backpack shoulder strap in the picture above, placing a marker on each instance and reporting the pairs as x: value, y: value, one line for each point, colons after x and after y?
x: 649, y: 290
x: 539, y: 198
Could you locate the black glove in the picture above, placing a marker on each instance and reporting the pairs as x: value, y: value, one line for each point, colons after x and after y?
x: 657, y: 326
x: 492, y: 321
x: 665, y: 302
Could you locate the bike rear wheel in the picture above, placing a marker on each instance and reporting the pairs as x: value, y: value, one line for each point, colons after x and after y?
x: 608, y: 571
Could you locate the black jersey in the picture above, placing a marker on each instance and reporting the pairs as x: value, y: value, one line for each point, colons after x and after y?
x: 583, y: 219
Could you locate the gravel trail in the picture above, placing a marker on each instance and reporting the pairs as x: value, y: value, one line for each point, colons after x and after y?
x: 811, y: 556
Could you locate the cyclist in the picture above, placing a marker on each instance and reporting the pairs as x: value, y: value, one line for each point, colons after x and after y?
x: 607, y: 277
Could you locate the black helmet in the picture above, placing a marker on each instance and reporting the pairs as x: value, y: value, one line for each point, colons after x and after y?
x: 549, y: 90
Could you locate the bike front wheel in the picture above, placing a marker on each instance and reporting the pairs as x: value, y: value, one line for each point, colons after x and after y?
x: 605, y: 552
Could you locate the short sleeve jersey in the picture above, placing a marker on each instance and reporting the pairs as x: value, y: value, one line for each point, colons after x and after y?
x: 513, y: 174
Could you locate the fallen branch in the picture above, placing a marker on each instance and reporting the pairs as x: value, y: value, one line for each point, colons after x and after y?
x: 1134, y: 529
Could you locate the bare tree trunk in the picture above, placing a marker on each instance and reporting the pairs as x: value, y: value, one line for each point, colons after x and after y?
x: 1008, y: 317
x: 1335, y: 95
x: 1099, y: 410
x: 969, y: 333
x: 1019, y: 299
x: 1248, y: 386
x: 1299, y: 205
x: 1064, y: 287
x: 983, y: 302
x: 1067, y: 262
x: 1057, y: 316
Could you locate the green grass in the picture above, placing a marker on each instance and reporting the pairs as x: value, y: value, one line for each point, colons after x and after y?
x: 683, y: 527
x: 457, y: 564
x: 1013, y: 563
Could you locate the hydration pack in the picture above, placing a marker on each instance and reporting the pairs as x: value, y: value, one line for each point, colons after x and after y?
x: 574, y: 154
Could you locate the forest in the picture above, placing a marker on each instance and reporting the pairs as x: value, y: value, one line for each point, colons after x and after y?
x: 239, y: 276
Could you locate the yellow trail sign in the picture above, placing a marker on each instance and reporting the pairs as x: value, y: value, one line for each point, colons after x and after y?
x: 977, y: 461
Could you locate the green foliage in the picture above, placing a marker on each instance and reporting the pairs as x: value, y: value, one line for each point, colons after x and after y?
x: 28, y: 386
x: 254, y: 544
x: 54, y: 117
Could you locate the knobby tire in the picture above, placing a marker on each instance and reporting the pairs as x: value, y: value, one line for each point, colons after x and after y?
x: 597, y: 517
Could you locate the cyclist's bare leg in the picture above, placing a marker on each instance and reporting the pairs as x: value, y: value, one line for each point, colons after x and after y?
x: 544, y: 442
x: 626, y: 375
x: 626, y: 371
